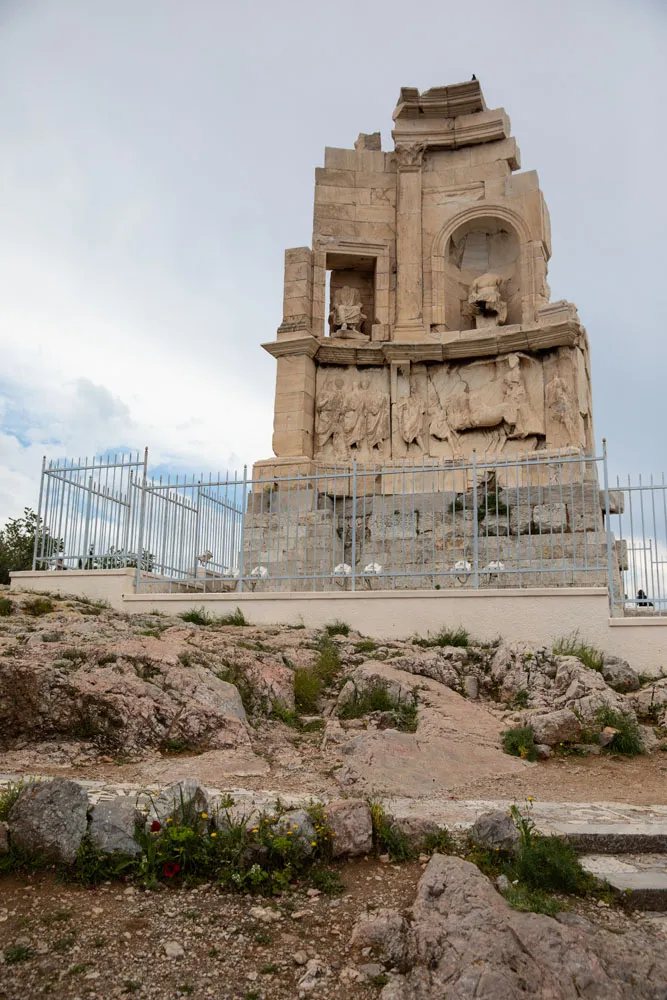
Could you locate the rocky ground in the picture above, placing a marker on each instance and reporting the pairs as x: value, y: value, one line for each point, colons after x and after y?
x: 90, y: 694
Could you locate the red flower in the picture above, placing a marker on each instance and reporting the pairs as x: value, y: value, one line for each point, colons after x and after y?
x: 171, y: 869
x: 155, y: 826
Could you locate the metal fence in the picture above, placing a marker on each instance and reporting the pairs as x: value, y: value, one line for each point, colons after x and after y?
x: 548, y: 519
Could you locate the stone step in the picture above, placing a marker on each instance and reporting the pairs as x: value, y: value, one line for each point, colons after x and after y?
x: 641, y: 879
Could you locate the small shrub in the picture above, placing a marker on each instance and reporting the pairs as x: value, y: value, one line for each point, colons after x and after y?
x: 75, y: 656
x: 185, y: 660
x: 337, y: 628
x: 531, y: 900
x: 327, y: 665
x: 235, y: 618
x: 5, y: 607
x: 307, y: 689
x: 106, y: 658
x: 377, y: 698
x: 387, y: 838
x: 38, y: 606
x: 547, y: 863
x: 571, y: 645
x: 197, y: 616
x: 366, y: 646
x: 521, y: 698
x: 447, y: 637
x: 18, y: 953
x: 328, y: 881
x: 438, y: 843
x: 175, y: 744
x: 519, y: 742
x: 64, y: 943
x: 8, y: 797
x: 628, y: 739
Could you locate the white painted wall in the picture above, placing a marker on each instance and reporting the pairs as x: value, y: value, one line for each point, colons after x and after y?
x: 536, y: 615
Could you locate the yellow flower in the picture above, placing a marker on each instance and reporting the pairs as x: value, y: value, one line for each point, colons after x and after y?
x: 169, y: 819
x: 530, y: 798
x: 204, y: 815
x: 313, y: 843
x: 289, y: 833
x: 255, y: 829
x: 214, y: 835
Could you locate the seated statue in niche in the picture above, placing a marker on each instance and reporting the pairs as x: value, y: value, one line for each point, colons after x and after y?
x: 486, y: 302
x: 346, y: 316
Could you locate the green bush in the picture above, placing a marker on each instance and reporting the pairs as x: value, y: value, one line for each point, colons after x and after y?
x: 197, y: 616
x: 628, y: 739
x: 38, y: 606
x: 571, y: 645
x: 366, y: 646
x: 377, y: 698
x: 519, y: 742
x: 387, y: 838
x: 235, y: 618
x: 307, y: 689
x: 5, y: 607
x: 547, y: 863
x: 327, y: 665
x: 446, y: 637
x: 337, y: 628
x: 438, y: 843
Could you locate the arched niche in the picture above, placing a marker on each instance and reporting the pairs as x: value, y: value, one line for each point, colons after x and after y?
x: 482, y: 239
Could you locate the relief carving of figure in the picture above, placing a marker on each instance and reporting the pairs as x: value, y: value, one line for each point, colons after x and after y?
x: 329, y: 413
x: 411, y: 413
x: 346, y: 316
x: 354, y: 420
x: 486, y: 301
x: 376, y: 406
x: 563, y: 410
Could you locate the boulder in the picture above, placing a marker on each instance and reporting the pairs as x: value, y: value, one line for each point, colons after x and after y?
x: 183, y: 801
x: 556, y: 727
x: 619, y: 675
x: 471, y: 686
x: 386, y: 933
x: 49, y: 819
x: 463, y: 940
x: 351, y: 825
x: 495, y: 828
x: 112, y: 826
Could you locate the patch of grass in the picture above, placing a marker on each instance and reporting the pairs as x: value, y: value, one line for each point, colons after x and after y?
x: 572, y: 645
x: 387, y: 837
x: 76, y: 970
x: 186, y: 989
x: 446, y: 637
x: 8, y: 797
x: 197, y: 616
x: 307, y: 689
x: 439, y: 843
x: 327, y: 665
x: 99, y: 942
x: 366, y: 646
x: 328, y: 881
x: 18, y: 953
x: 547, y: 863
x: 131, y: 986
x: 519, y: 742
x: 58, y: 916
x: 175, y: 744
x: 64, y: 943
x: 106, y: 658
x: 235, y: 618
x: 186, y: 660
x: 337, y: 628
x: 38, y: 606
x: 628, y: 739
x: 521, y: 698
x: 75, y: 656
x: 6, y: 607
x: 377, y: 698
x: 527, y: 900
x: 381, y: 979
x: 269, y: 969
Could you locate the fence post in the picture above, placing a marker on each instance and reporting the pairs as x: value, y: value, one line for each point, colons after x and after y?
x: 475, y: 522
x: 244, y: 502
x: 610, y: 562
x: 140, y: 539
x: 353, y: 555
x: 38, y: 529
x: 86, y: 530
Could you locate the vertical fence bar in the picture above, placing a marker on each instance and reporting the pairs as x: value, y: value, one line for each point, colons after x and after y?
x: 353, y: 554
x: 38, y: 529
x: 244, y: 497
x: 610, y: 562
x: 475, y: 522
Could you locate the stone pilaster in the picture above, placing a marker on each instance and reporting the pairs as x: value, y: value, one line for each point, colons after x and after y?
x: 409, y: 278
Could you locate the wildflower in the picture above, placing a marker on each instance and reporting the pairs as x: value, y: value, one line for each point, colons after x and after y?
x: 170, y: 869
x: 155, y: 826
x: 169, y: 819
x: 204, y: 815
x: 530, y: 798
x: 289, y: 833
x: 214, y: 835
x: 313, y: 843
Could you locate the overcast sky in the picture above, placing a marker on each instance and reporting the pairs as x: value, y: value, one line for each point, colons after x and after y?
x: 157, y: 156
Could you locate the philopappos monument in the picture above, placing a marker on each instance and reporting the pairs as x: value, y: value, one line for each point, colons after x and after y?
x: 419, y: 327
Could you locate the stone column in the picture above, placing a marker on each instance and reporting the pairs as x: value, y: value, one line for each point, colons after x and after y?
x: 294, y: 415
x: 409, y: 277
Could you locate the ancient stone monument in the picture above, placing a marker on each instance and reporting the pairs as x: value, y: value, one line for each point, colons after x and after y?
x: 438, y: 337
x: 418, y: 334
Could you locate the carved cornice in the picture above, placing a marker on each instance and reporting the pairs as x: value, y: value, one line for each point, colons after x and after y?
x: 452, y: 133
x: 410, y: 156
x: 455, y: 345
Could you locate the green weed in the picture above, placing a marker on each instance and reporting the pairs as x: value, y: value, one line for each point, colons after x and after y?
x: 197, y: 616
x: 328, y: 881
x: 387, y: 837
x: 438, y: 843
x: 572, y: 645
x: 519, y: 742
x: 377, y: 698
x: 366, y: 646
x: 235, y: 618
x: 106, y: 658
x: 38, y: 606
x: 527, y: 900
x: 337, y: 628
x: 446, y: 637
x: 628, y: 739
x: 547, y: 863
x: 307, y: 689
x: 6, y: 607
x: 18, y: 953
x: 8, y: 797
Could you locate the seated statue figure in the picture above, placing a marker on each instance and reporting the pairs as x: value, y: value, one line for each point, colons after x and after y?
x: 346, y: 316
x: 486, y: 301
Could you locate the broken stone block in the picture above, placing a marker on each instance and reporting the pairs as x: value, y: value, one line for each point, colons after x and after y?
x: 351, y: 825
x: 556, y: 727
x: 49, y: 819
